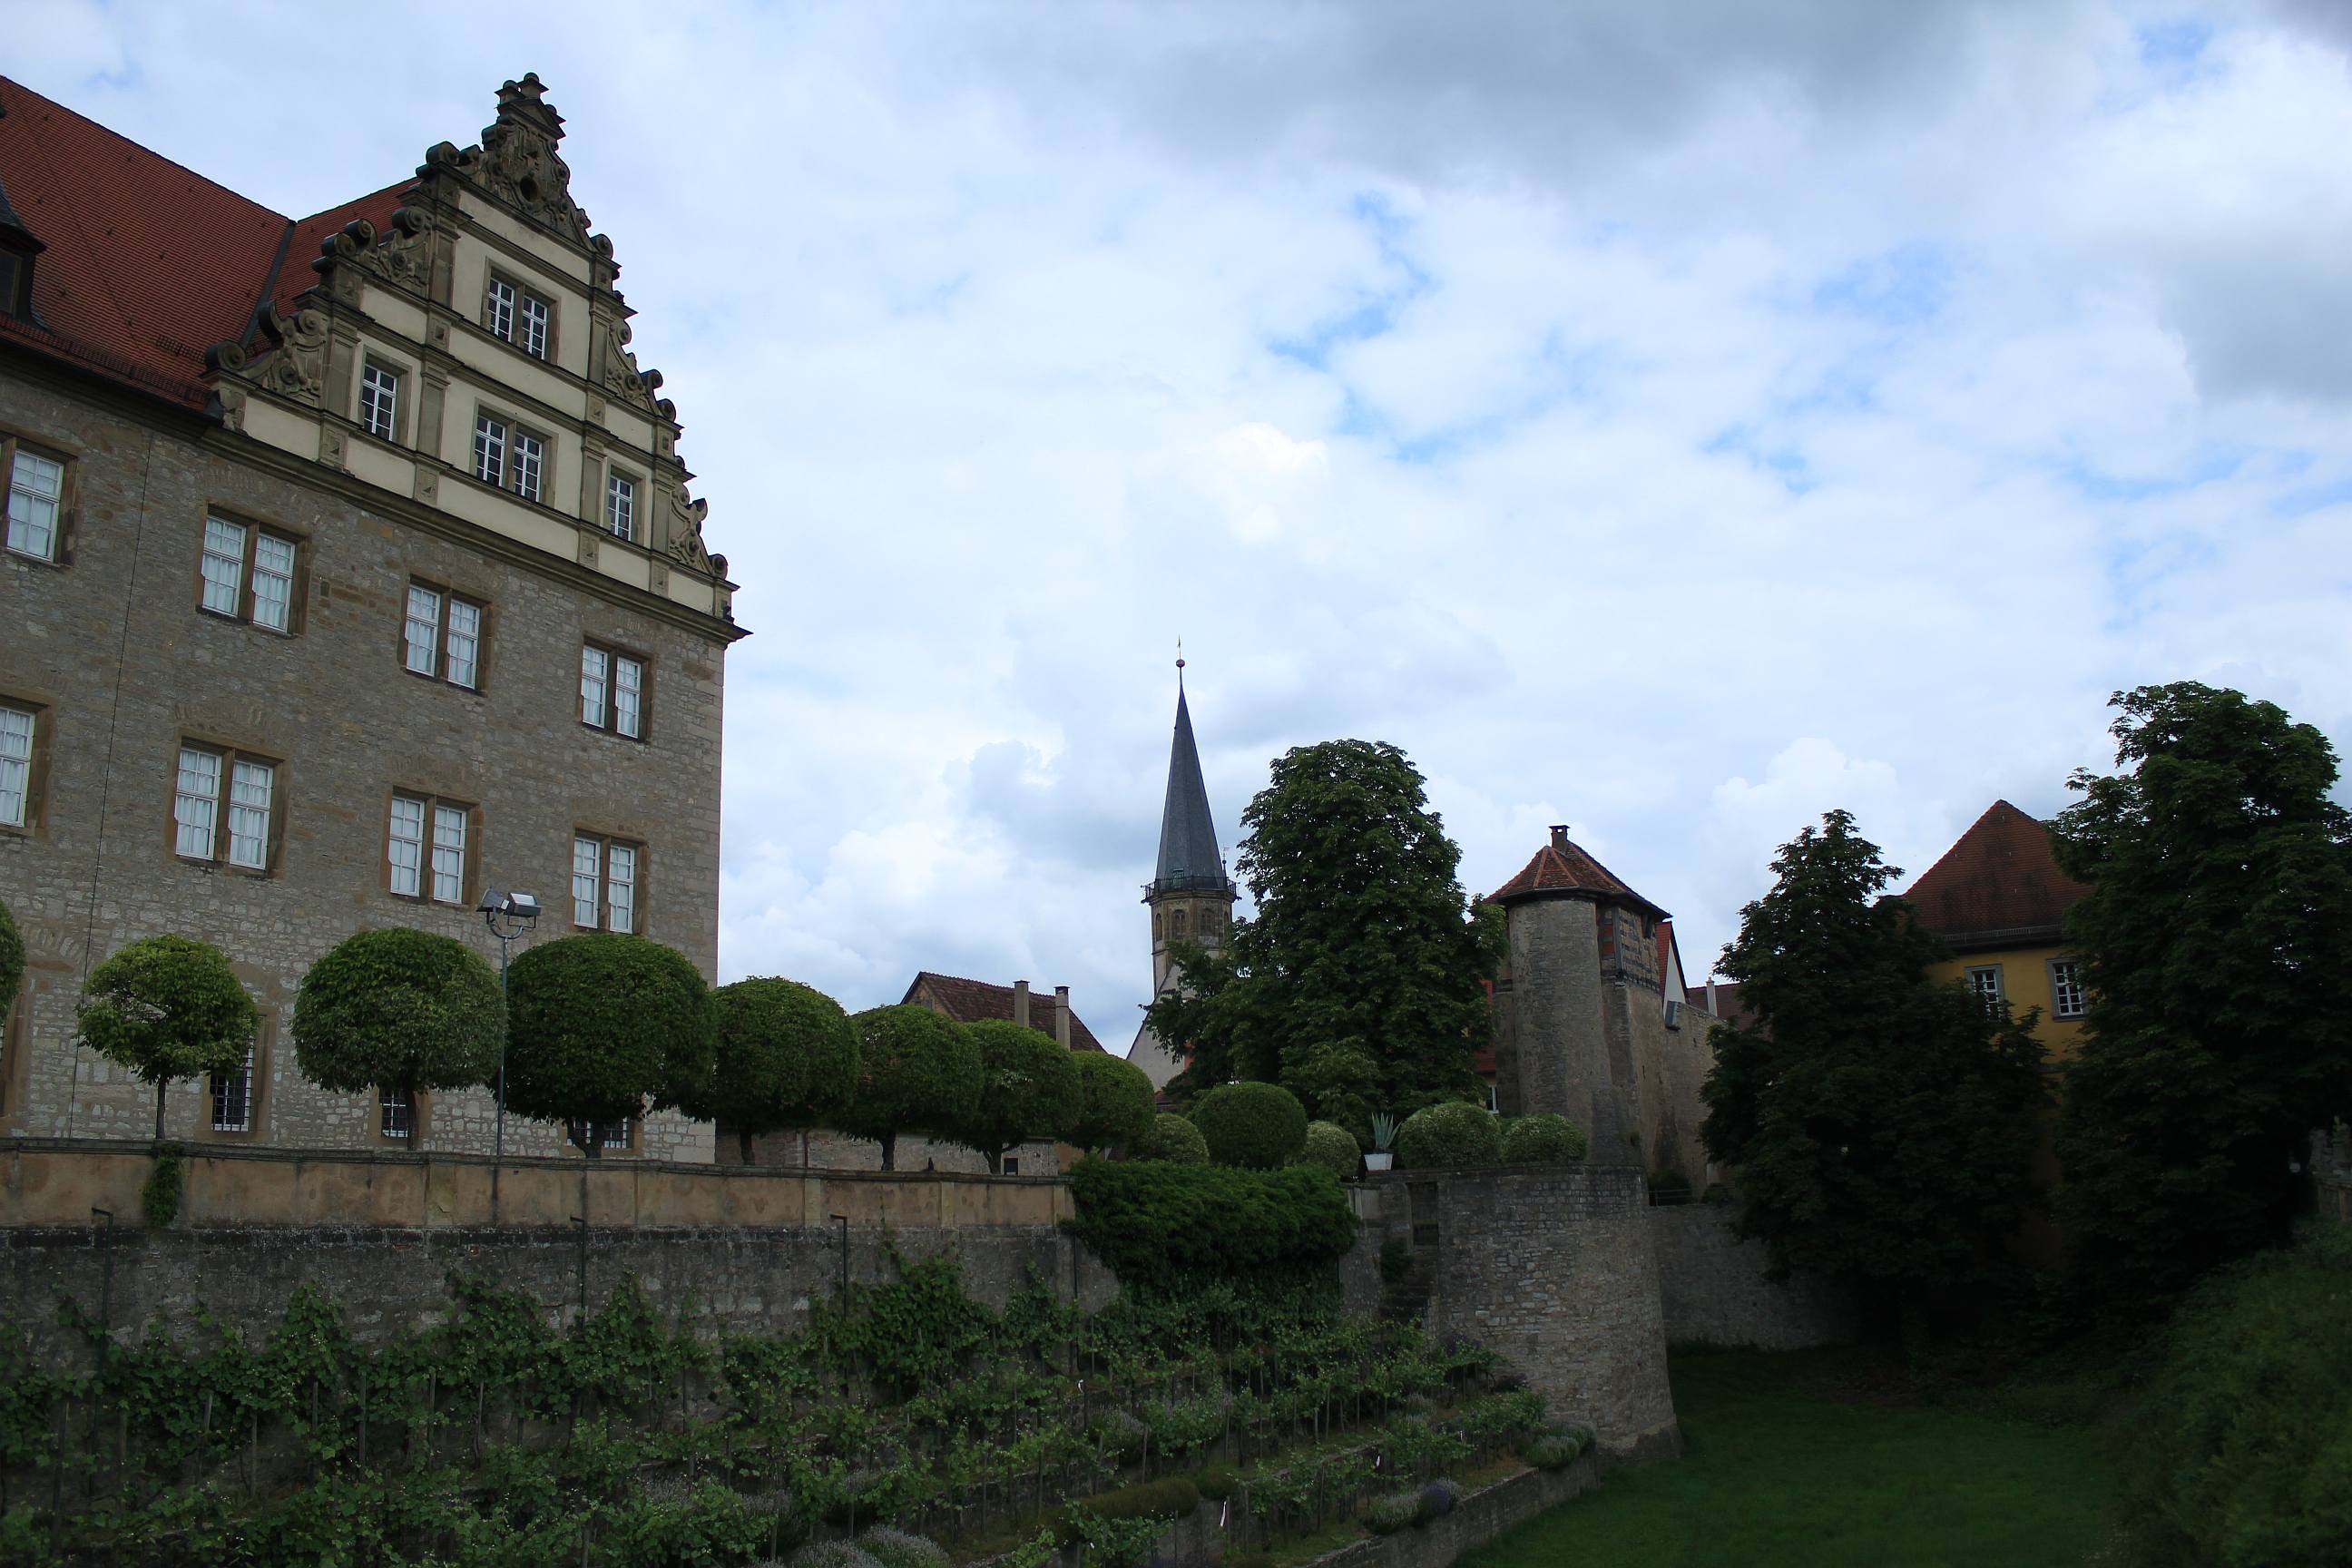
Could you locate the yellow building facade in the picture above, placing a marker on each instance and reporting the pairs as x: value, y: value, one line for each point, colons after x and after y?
x: 1996, y: 901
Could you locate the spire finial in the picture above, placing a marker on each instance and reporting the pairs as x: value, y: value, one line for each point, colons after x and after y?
x: 1179, y: 663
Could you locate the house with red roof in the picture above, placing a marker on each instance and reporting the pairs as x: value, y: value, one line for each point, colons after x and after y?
x: 353, y: 577
x: 1593, y: 1019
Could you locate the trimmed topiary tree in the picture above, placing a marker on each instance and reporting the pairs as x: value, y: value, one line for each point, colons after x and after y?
x: 1333, y: 1147
x: 918, y: 1071
x: 1257, y: 1126
x: 1029, y: 1087
x: 786, y: 1057
x: 399, y: 1009
x: 167, y: 1008
x: 1544, y: 1138
x: 1117, y: 1104
x: 599, y: 1023
x: 1172, y: 1138
x: 1455, y: 1134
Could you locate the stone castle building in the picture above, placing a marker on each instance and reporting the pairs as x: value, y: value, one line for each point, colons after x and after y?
x: 1189, y: 895
x: 351, y: 569
x: 1593, y: 1019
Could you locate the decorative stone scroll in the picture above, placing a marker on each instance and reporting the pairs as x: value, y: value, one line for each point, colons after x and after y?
x: 293, y: 365
x: 517, y: 162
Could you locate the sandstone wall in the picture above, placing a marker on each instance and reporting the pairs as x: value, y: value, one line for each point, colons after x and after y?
x: 1716, y: 1291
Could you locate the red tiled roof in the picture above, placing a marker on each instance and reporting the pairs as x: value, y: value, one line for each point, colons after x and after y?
x: 297, y: 274
x: 970, y: 1001
x: 1562, y: 867
x: 147, y: 264
x: 1726, y: 1004
x: 2001, y: 880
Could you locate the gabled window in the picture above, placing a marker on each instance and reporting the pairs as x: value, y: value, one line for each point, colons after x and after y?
x: 246, y: 572
x: 441, y: 637
x: 613, y: 695
x: 380, y: 400
x: 604, y: 882
x: 37, y: 491
x: 224, y: 808
x: 621, y: 507
x: 520, y: 317
x: 426, y: 849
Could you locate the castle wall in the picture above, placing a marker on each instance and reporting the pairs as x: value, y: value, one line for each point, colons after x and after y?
x: 1554, y: 1047
x: 1715, y: 1290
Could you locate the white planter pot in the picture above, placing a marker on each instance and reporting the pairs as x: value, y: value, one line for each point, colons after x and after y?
x: 1380, y: 1161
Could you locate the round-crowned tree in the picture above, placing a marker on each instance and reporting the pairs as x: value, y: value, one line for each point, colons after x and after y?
x: 1455, y: 1133
x: 787, y: 1057
x: 599, y: 1023
x: 167, y: 1008
x: 1117, y: 1104
x: 1256, y: 1125
x: 1544, y: 1138
x: 1028, y: 1088
x: 399, y: 1009
x: 1335, y: 1148
x: 1172, y: 1139
x: 917, y: 1072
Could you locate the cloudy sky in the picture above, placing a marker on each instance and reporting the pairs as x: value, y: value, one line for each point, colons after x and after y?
x: 1674, y: 420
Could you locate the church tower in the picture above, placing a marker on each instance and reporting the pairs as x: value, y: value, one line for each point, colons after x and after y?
x: 1191, y: 896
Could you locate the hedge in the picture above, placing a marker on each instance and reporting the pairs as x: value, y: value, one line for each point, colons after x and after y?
x: 1455, y: 1133
x: 1172, y: 1497
x: 1153, y: 1223
x: 1334, y: 1148
x: 1258, y: 1126
x: 1542, y: 1139
x: 1174, y: 1140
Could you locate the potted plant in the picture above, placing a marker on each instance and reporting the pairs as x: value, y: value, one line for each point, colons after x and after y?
x: 1385, y: 1129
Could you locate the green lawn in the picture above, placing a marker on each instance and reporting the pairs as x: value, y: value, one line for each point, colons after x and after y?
x: 1786, y: 1465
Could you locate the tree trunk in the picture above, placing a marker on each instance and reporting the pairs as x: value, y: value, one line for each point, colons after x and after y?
x: 745, y: 1139
x: 890, y: 1151
x: 996, y: 1162
x: 159, y: 1110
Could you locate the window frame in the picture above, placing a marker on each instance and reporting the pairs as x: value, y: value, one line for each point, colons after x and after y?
x: 371, y: 361
x: 1998, y: 991
x: 512, y: 432
x: 420, y: 1118
x: 257, y: 1092
x: 469, y: 870
x: 608, y: 722
x: 2058, y: 1012
x: 605, y: 842
x: 37, y: 763
x: 448, y: 599
x: 61, y: 527
x: 297, y: 577
x: 496, y: 277
x: 224, y: 801
x: 616, y: 475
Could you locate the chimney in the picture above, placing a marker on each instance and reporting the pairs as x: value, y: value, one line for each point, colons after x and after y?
x: 1559, y: 836
x: 1021, y: 1002
x: 1061, y: 1016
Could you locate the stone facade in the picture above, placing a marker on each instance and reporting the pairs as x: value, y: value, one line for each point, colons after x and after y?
x: 1553, y: 1268
x: 113, y: 649
x: 1717, y: 1289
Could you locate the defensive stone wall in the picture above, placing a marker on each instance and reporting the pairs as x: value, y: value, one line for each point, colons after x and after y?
x: 1716, y: 1287
x: 1551, y: 1266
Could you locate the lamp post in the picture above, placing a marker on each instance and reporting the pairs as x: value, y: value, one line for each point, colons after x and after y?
x: 508, y: 915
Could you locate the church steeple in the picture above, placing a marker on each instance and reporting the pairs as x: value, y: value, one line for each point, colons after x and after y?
x: 1190, y: 895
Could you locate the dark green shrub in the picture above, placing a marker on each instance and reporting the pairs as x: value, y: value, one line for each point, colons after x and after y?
x: 1437, y: 1499
x: 901, y: 1549
x: 786, y: 1057
x: 1334, y: 1148
x: 1171, y: 1497
x: 1544, y: 1138
x: 167, y: 1008
x: 12, y: 959
x: 159, y: 1200
x: 1152, y: 1222
x: 1218, y: 1482
x: 1393, y: 1514
x: 1029, y: 1087
x: 2242, y: 1449
x: 1396, y: 1260
x: 399, y: 1009
x: 1172, y: 1138
x: 1550, y: 1451
x: 1257, y: 1126
x: 832, y: 1554
x: 1455, y: 1133
x: 1117, y: 1103
x: 917, y: 1071
x: 598, y: 1023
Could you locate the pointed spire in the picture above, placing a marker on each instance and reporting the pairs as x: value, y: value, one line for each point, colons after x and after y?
x: 1189, y: 859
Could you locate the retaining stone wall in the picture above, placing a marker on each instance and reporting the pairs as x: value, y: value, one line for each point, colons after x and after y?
x: 1716, y: 1291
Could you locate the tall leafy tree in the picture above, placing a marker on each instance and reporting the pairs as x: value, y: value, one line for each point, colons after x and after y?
x: 2217, y: 942
x: 166, y: 1008
x: 600, y: 1023
x: 399, y: 1009
x: 1029, y: 1087
x: 787, y: 1057
x: 1881, y: 1124
x: 1356, y: 983
x: 917, y: 1072
x: 1116, y: 1102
